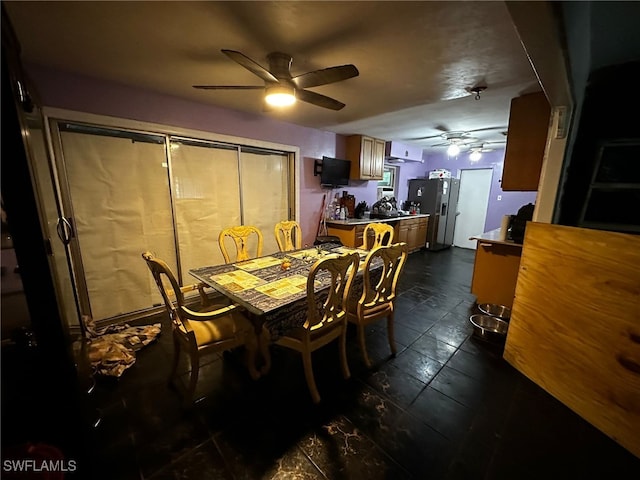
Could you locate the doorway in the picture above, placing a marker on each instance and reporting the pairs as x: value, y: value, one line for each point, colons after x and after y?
x: 473, y: 201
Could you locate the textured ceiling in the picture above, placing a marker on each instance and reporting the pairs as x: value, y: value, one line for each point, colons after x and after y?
x: 417, y: 60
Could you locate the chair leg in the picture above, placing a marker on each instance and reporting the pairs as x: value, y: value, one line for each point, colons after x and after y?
x: 193, y: 379
x: 343, y: 353
x: 308, y: 374
x: 176, y: 358
x: 363, y: 345
x: 392, y: 339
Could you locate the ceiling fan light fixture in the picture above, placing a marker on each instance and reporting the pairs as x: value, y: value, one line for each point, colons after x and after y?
x: 475, y: 155
x: 453, y: 150
x: 280, y: 96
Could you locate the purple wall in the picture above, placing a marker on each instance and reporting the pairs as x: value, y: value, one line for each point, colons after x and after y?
x: 508, y: 205
x: 99, y: 97
x: 90, y: 95
x: 510, y: 202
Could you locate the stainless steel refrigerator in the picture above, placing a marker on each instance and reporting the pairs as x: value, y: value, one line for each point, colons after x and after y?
x: 439, y: 198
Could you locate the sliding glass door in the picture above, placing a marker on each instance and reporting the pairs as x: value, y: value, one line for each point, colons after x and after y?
x: 206, y: 195
x: 116, y: 192
x: 265, y: 186
x: 126, y: 191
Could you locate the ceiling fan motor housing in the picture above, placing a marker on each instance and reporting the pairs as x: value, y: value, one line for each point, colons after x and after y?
x: 280, y: 65
x: 278, y: 77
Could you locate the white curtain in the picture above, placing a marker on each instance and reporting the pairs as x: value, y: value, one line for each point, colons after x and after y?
x: 118, y: 190
x: 128, y: 194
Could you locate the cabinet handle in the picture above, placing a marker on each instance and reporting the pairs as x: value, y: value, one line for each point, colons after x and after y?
x: 482, y: 244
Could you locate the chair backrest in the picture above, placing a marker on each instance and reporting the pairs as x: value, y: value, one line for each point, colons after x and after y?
x: 382, y: 234
x: 241, y: 236
x: 340, y: 271
x: 381, y: 290
x: 159, y: 270
x: 288, y: 235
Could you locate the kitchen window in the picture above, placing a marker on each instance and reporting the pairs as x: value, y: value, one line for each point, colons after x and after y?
x: 387, y: 186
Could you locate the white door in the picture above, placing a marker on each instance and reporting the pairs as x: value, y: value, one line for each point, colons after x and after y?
x: 473, y: 201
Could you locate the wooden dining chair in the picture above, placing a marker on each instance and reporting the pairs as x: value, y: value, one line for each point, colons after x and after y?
x: 288, y: 235
x: 326, y: 317
x: 382, y: 234
x: 378, y: 292
x: 218, y: 329
x: 242, y: 236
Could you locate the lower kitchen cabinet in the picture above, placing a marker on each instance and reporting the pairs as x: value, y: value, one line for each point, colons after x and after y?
x: 349, y: 234
x: 412, y: 231
x: 495, y: 271
x: 421, y: 234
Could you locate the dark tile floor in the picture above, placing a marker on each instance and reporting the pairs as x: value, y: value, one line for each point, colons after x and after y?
x: 446, y: 407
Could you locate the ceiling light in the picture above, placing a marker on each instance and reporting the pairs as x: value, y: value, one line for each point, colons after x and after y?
x: 478, y: 90
x: 475, y: 155
x: 280, y: 96
x: 453, y: 150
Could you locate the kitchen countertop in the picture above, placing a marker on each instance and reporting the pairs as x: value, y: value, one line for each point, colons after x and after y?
x: 493, y: 236
x: 364, y: 221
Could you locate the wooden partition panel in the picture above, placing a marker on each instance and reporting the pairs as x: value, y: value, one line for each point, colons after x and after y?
x: 575, y: 325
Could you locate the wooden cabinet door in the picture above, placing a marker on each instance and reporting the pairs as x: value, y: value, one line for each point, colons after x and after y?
x: 421, y: 235
x: 526, y: 141
x: 367, y: 157
x: 412, y: 234
x: 402, y: 232
x: 495, y: 273
x: 377, y: 159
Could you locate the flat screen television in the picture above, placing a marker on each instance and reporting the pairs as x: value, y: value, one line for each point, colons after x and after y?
x: 335, y: 172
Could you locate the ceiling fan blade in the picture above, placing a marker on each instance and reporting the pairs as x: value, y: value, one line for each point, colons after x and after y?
x: 319, y: 100
x: 229, y: 87
x: 486, y: 129
x: 423, y: 138
x: 250, y: 65
x: 325, y: 76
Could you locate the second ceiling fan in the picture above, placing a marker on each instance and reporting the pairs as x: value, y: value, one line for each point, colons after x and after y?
x: 279, y: 84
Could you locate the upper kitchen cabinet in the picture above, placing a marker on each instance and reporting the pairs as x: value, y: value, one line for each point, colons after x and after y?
x: 367, y: 157
x: 529, y: 119
x: 402, y: 151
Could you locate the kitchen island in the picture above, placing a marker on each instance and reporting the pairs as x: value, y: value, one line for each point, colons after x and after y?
x: 495, y: 270
x: 411, y: 229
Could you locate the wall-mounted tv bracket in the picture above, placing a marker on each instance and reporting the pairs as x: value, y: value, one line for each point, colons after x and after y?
x: 317, y: 167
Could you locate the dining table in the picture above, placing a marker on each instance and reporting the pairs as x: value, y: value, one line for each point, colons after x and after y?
x: 272, y: 289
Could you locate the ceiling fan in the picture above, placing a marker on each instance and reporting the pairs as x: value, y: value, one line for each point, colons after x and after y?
x: 476, y: 150
x: 281, y: 86
x: 457, y: 135
x: 457, y: 141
